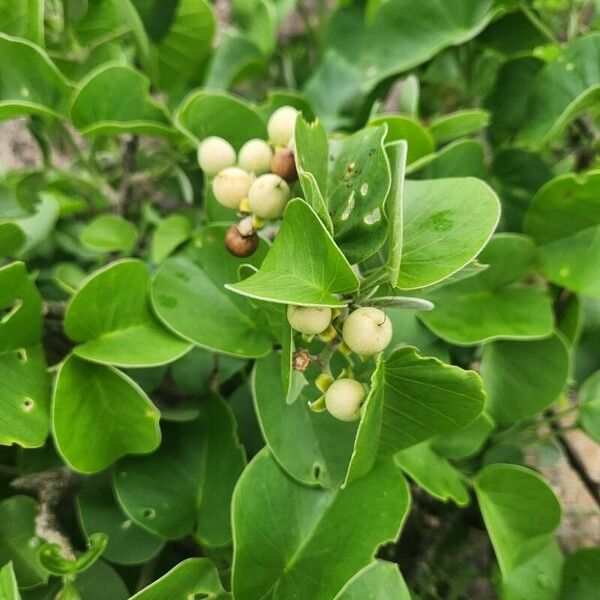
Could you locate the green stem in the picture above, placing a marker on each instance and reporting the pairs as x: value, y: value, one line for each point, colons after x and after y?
x: 539, y: 24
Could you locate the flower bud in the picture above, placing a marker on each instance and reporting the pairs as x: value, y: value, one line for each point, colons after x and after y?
x: 367, y: 331
x: 344, y: 398
x: 230, y: 186
x: 215, y: 154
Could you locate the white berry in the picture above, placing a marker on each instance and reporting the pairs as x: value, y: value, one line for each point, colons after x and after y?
x: 215, y: 154
x: 309, y: 319
x: 281, y: 125
x: 255, y: 157
x: 268, y: 196
x: 367, y: 331
x: 344, y: 398
x: 230, y: 186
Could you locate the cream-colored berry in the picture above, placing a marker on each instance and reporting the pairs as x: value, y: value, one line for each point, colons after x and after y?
x: 230, y: 186
x: 281, y: 125
x: 367, y: 331
x: 310, y: 320
x: 268, y: 196
x: 255, y: 157
x: 215, y: 154
x: 343, y: 399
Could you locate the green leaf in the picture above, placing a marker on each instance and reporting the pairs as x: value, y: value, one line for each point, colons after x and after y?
x: 458, y: 124
x: 395, y: 37
x: 191, y: 578
x: 9, y: 590
x: 99, y: 582
x: 447, y: 222
x: 461, y: 158
x: 466, y: 441
x: 412, y: 399
x: 25, y: 400
x: 537, y: 577
x: 493, y: 304
x: 589, y: 409
x: 397, y: 152
x: 12, y: 237
x: 110, y: 317
x: 31, y: 84
x: 358, y: 184
x: 20, y: 309
x: 97, y: 510
x: 519, y: 509
x: 187, y: 484
x: 23, y: 19
x: 303, y: 266
x: 311, y: 447
x: 40, y: 225
x: 581, y: 575
x: 203, y: 114
x: 98, y: 108
x: 189, y: 298
x: 53, y: 559
x: 564, y: 219
x: 99, y: 415
x: 235, y: 59
x: 272, y: 558
x: 181, y: 55
x: 18, y: 540
x: 562, y: 90
x: 522, y: 378
x: 433, y: 473
x: 109, y: 233
x: 381, y: 580
x: 171, y: 232
x: 401, y: 127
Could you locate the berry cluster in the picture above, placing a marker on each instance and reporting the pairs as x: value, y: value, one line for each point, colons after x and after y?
x: 257, y: 181
x: 365, y: 331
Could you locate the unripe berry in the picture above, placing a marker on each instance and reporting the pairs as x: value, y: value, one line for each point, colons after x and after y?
x: 255, y: 157
x: 268, y: 196
x: 344, y: 398
x: 367, y: 331
x: 308, y: 319
x: 281, y: 125
x: 238, y: 244
x: 284, y: 165
x: 230, y: 186
x: 215, y: 154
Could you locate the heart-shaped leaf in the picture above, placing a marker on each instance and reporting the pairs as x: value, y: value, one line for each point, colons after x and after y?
x: 109, y: 233
x: 191, y: 578
x: 447, y: 222
x: 413, y: 399
x: 189, y: 297
x: 564, y: 219
x: 98, y: 108
x: 433, y: 473
x: 187, y: 484
x: 272, y: 557
x: 493, y: 304
x: 203, y: 114
x: 19, y: 541
x: 380, y: 580
x: 25, y: 400
x: 31, y: 84
x: 563, y: 89
x: 128, y: 544
x: 20, y: 309
x: 519, y: 509
x: 358, y: 184
x: 300, y: 440
x: 522, y: 378
x: 110, y: 316
x: 303, y: 266
x: 99, y: 414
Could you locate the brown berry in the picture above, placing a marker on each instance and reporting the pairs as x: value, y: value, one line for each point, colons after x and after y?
x: 238, y: 244
x: 284, y: 164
